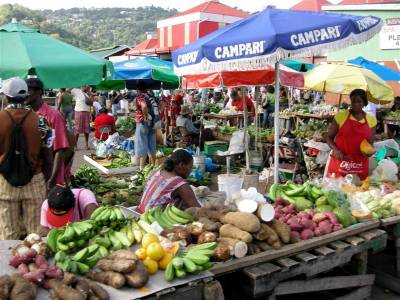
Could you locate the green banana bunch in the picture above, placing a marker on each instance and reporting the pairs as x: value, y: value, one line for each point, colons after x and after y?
x: 194, y: 261
x: 168, y: 218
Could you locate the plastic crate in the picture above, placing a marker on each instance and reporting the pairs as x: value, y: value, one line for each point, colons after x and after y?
x: 210, y: 148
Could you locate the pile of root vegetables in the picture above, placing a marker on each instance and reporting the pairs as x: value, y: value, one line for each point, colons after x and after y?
x: 237, y: 233
x: 305, y: 225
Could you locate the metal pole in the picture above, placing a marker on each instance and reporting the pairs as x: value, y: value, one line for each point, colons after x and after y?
x: 256, y: 114
x: 276, y: 125
x: 246, y: 142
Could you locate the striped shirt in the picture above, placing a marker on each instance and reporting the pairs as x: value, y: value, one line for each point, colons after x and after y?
x: 158, y: 191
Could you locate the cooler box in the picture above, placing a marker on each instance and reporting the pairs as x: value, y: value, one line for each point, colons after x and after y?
x: 210, y: 148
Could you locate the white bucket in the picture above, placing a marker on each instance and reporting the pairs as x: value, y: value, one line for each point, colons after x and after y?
x: 199, y: 162
x: 230, y: 184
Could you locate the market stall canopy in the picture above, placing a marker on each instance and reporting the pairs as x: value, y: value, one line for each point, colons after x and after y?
x: 343, y: 78
x: 25, y: 51
x: 147, y: 68
x: 270, y: 36
x: 298, y: 65
x: 383, y: 72
x: 287, y: 76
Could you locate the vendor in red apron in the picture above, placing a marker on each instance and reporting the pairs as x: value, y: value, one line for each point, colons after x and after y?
x: 345, y: 134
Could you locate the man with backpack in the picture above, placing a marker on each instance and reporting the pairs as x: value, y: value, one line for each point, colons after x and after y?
x: 25, y: 162
x: 147, y: 121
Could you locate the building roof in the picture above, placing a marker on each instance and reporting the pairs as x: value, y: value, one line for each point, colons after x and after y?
x: 146, y: 46
x: 107, y: 52
x: 316, y: 5
x: 213, y: 7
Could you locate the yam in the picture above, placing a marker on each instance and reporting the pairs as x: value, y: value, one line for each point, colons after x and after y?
x: 23, y: 289
x: 123, y: 254
x: 208, y: 225
x: 265, y: 212
x: 206, y: 237
x: 211, y: 214
x: 277, y: 245
x: 6, y: 285
x: 237, y: 248
x: 262, y: 245
x: 69, y: 278
x: 193, y: 211
x: 138, y: 278
x: 242, y: 220
x: 282, y: 229
x: 230, y: 231
x: 65, y: 292
x: 119, y: 266
x: 83, y: 288
x: 294, y: 237
x: 266, y: 233
x: 114, y: 279
x: 97, y: 290
x: 196, y: 228
x: 222, y: 252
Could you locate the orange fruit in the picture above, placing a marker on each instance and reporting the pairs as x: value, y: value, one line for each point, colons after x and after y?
x: 149, y: 238
x: 151, y: 265
x: 163, y: 263
x: 155, y: 251
x: 141, y: 253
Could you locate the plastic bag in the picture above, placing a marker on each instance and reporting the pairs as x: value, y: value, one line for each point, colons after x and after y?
x: 385, y: 171
x: 101, y: 149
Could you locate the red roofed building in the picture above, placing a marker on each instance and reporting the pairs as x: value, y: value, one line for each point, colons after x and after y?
x: 146, y: 47
x: 189, y: 25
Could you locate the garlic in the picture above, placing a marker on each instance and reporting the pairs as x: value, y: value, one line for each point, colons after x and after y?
x: 32, y: 238
x: 19, y: 250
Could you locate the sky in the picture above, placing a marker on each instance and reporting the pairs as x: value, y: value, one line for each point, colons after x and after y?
x: 180, y: 5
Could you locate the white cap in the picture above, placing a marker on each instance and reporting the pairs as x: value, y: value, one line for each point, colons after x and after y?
x: 218, y: 90
x: 167, y: 93
x: 15, y: 87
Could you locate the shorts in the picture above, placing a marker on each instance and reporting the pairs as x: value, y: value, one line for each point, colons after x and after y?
x: 145, y: 140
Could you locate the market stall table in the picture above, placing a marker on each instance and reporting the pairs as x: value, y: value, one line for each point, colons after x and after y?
x: 226, y: 117
x: 156, y: 285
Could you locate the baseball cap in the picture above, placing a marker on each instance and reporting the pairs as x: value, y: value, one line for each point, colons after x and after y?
x: 35, y: 83
x: 15, y: 88
x: 61, y: 203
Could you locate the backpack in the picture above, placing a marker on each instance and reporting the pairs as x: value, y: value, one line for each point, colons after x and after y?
x: 154, y: 112
x: 16, y: 167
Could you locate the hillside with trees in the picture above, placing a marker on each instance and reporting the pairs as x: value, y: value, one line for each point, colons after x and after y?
x: 90, y: 28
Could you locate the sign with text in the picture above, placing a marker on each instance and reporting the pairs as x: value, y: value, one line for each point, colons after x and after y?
x: 390, y: 34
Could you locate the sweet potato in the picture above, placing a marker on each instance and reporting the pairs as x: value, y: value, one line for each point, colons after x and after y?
x: 6, y: 284
x: 98, y: 290
x: 277, y: 245
x: 123, y: 254
x: 268, y: 234
x: 23, y: 289
x: 65, y: 292
x: 116, y: 265
x: 114, y: 279
x: 83, y: 288
x: 263, y: 233
x: 138, y: 278
x: 230, y: 231
x: 206, y: 237
x: 282, y: 230
x: 242, y: 220
x: 294, y: 237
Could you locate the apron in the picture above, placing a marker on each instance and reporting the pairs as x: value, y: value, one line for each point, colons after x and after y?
x: 348, y: 140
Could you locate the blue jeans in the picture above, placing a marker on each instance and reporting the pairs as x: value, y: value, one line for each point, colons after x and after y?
x: 145, y: 140
x: 265, y: 118
x: 67, y: 113
x: 114, y: 109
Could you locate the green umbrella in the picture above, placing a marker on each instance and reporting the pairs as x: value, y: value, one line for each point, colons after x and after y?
x: 298, y: 65
x: 25, y: 51
x: 111, y: 85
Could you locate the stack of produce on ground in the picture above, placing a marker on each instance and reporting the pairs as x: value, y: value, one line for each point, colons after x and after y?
x: 122, y: 268
x: 108, y: 190
x: 264, y: 134
x: 112, y: 161
x: 307, y: 197
x: 125, y: 125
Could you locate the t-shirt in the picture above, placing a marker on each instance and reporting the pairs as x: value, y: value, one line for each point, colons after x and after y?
x: 342, y: 116
x: 80, y: 100
x: 103, y: 120
x: 139, y: 113
x: 181, y: 121
x: 66, y: 100
x: 83, y: 197
x: 96, y: 106
x: 238, y: 104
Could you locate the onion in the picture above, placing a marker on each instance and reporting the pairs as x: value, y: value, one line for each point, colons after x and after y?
x: 19, y: 250
x: 32, y: 238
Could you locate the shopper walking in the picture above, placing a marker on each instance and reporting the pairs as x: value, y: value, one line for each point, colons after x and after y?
x: 82, y: 113
x: 64, y: 105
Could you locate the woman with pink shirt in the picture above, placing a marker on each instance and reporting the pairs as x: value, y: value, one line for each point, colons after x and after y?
x: 66, y: 205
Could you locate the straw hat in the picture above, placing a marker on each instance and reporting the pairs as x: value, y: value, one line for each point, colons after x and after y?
x: 185, y: 110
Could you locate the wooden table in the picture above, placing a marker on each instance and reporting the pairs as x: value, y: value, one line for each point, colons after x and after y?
x: 228, y: 117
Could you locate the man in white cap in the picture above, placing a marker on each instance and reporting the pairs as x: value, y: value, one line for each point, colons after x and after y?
x: 25, y: 162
